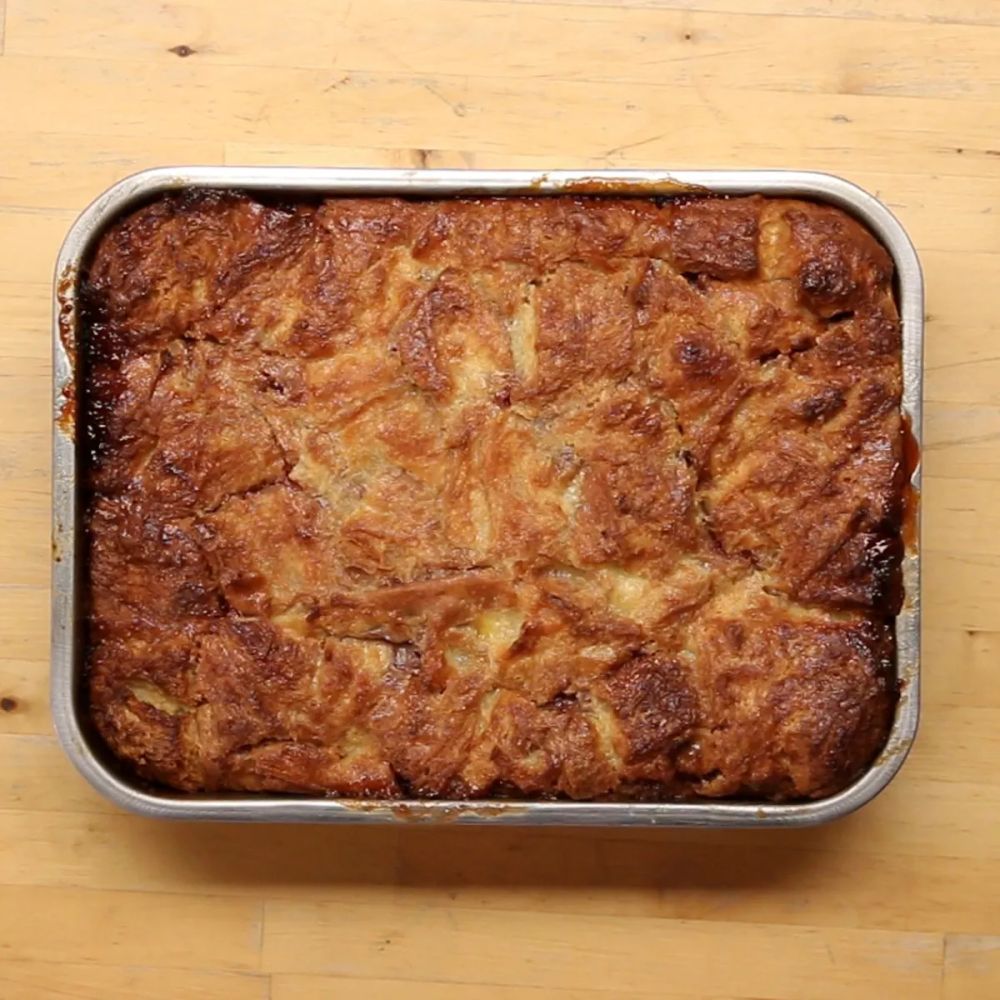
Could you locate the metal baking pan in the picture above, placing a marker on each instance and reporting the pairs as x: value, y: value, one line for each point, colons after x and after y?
x: 68, y: 704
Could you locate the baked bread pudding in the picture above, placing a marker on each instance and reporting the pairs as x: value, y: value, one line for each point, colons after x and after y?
x: 582, y: 497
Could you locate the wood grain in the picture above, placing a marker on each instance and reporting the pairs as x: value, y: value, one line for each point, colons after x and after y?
x: 655, y: 46
x: 577, y: 950
x: 121, y: 928
x: 21, y: 980
x: 960, y: 12
x: 901, y: 96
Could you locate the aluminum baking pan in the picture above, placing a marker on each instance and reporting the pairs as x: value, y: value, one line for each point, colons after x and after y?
x: 68, y: 705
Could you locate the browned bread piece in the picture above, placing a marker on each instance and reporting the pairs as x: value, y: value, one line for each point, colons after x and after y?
x: 556, y: 496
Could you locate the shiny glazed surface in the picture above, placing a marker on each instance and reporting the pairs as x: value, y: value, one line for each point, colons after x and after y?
x: 561, y: 496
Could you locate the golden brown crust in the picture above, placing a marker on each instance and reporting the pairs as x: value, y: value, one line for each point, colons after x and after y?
x: 558, y: 496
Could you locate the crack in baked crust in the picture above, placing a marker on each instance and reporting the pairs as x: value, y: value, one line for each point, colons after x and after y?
x: 581, y: 497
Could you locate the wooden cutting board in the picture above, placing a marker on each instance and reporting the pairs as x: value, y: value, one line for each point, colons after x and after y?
x: 901, y: 899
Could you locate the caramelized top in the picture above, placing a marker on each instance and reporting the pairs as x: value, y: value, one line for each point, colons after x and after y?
x: 541, y: 496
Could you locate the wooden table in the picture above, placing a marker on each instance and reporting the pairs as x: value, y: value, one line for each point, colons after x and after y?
x: 900, y: 900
